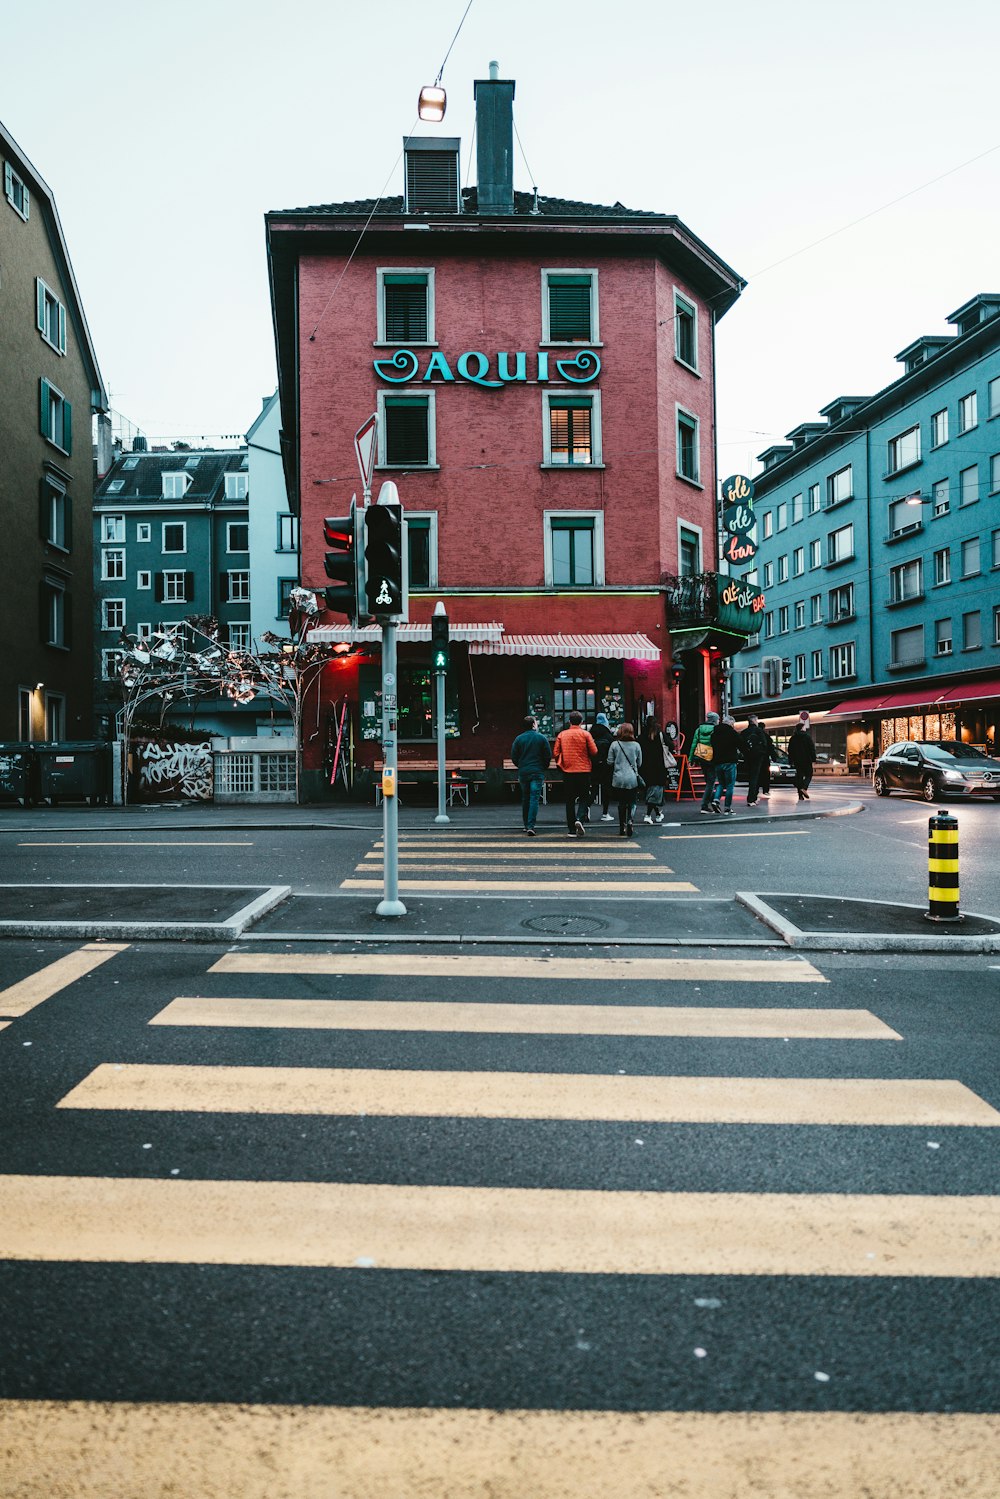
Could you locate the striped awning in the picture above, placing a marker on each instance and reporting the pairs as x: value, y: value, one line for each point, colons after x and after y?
x: 405, y: 634
x: 582, y: 647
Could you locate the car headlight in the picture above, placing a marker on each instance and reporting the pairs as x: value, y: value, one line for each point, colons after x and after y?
x: 953, y: 775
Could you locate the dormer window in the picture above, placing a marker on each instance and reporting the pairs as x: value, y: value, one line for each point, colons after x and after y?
x: 431, y: 175
x: 175, y: 486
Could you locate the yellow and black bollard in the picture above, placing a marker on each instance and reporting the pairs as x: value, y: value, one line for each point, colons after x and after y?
x: 942, y: 868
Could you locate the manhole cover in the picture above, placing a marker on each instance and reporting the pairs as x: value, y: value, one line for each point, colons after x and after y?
x: 566, y: 926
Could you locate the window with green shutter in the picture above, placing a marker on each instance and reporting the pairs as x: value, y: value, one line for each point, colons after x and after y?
x: 407, y: 430
x: 405, y: 307
x: 569, y: 303
x: 55, y: 417
x: 50, y: 315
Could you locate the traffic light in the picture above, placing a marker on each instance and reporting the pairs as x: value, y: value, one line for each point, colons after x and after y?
x: 439, y: 642
x: 342, y: 557
x: 786, y: 673
x: 384, y: 559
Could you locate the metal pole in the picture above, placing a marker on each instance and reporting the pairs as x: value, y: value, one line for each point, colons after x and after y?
x: 442, y: 815
x: 390, y: 904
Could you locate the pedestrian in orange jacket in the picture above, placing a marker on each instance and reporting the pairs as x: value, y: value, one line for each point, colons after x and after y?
x: 575, y: 753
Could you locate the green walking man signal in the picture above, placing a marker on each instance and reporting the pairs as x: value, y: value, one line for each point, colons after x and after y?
x: 439, y: 642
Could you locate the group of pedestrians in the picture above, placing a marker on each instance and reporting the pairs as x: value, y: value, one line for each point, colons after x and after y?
x: 601, y: 765
x: 598, y: 766
x: 718, y: 749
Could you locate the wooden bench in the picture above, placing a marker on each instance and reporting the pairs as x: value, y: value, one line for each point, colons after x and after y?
x: 413, y: 772
x: 552, y: 777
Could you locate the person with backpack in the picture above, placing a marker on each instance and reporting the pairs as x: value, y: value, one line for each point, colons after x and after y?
x: 753, y: 747
x: 600, y: 785
x: 703, y: 754
x: 725, y: 755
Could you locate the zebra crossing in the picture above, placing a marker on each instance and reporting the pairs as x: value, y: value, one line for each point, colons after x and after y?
x: 439, y: 1253
x: 469, y: 863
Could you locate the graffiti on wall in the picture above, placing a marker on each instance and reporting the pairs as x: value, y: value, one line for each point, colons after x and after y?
x: 168, y: 771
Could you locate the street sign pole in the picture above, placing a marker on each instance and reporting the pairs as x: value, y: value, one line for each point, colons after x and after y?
x: 440, y: 672
x: 442, y: 815
x: 390, y: 904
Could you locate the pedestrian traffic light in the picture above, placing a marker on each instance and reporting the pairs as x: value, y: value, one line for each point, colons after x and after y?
x: 786, y: 673
x: 342, y: 559
x: 439, y: 642
x: 384, y: 559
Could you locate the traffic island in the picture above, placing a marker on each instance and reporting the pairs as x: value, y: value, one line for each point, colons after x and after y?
x: 207, y: 913
x: 824, y: 922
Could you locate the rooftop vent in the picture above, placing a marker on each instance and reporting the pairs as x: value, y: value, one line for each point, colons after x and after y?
x: 431, y: 174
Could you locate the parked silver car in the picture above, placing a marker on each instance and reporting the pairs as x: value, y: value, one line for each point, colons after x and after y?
x: 935, y: 770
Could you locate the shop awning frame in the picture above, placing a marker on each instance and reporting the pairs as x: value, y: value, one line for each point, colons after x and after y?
x: 924, y: 697
x: 570, y: 647
x: 405, y: 634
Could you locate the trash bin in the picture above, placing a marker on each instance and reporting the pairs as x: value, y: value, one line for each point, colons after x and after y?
x: 74, y: 771
x: 18, y: 774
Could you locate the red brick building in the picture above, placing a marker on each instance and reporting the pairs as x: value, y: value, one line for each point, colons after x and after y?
x: 543, y: 374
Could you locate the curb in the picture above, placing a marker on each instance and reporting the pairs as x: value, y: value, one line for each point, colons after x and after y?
x: 138, y: 931
x: 794, y: 936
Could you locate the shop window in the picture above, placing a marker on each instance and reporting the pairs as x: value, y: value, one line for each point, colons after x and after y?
x: 573, y: 694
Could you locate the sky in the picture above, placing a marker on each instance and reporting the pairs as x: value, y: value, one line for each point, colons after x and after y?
x: 844, y: 160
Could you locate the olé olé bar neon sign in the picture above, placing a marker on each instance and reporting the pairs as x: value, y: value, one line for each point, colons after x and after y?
x: 475, y: 368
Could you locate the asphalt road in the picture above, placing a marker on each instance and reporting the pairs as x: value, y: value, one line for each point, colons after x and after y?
x: 878, y: 854
x: 350, y: 1222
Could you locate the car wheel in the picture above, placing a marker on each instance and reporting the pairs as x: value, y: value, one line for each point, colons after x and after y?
x: 881, y: 789
x: 929, y: 789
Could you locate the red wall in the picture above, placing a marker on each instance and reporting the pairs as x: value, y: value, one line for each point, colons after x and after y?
x: 490, y: 491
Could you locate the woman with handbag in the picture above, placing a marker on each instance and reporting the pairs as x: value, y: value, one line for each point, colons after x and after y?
x: 703, y: 754
x: 654, y: 769
x: 624, y: 757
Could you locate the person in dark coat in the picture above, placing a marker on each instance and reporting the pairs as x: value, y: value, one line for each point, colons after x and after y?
x: 725, y: 754
x: 773, y: 753
x: 600, y: 785
x: 654, y: 769
x: 753, y: 747
x: 802, y: 753
x: 532, y: 755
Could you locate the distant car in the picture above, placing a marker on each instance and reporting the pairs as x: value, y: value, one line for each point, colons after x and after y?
x: 935, y: 770
x: 782, y: 772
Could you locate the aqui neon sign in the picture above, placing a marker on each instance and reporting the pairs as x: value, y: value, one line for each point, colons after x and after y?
x: 475, y: 368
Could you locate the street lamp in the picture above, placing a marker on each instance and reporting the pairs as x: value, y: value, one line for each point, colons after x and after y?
x: 433, y: 102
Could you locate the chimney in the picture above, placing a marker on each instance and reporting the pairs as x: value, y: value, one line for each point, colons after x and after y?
x: 495, y: 142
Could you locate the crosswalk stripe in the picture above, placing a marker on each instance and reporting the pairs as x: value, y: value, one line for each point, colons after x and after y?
x: 938, y: 1103
x: 86, y: 1448
x: 446, y: 965
x: 496, y: 1229
x: 21, y: 997
x: 408, y: 866
x: 515, y: 883
x: 527, y: 1019
x: 289, y: 1452
x: 552, y: 841
x: 526, y: 851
